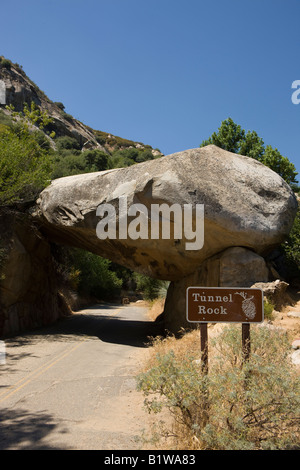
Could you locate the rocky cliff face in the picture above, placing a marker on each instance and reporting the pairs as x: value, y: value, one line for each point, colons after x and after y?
x: 20, y: 89
x: 30, y: 292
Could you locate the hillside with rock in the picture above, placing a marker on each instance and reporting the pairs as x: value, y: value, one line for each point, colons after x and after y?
x: 248, y: 212
x: 20, y: 89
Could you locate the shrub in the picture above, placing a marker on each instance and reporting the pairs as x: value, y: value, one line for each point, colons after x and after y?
x: 5, y: 63
x: 96, y: 160
x: 268, y: 310
x: 60, y: 105
x: 144, y: 156
x: 92, y: 276
x: 150, y: 288
x: 68, y: 143
x: 129, y: 156
x: 236, y: 406
x: 5, y: 119
x: 69, y: 164
x: 73, y: 162
x: 101, y: 139
x: 67, y: 116
x: 25, y: 167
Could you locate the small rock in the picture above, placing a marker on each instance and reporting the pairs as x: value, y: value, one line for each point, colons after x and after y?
x: 296, y: 344
x: 294, y: 314
x: 274, y: 292
x: 295, y: 357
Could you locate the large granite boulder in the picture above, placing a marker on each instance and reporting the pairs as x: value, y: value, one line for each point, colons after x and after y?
x: 245, y: 205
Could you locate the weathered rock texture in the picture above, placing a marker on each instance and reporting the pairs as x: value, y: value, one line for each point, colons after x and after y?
x: 246, y: 205
x: 249, y: 210
x: 275, y: 292
x: 20, y: 90
x: 29, y: 291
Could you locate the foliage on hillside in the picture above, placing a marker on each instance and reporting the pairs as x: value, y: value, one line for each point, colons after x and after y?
x: 25, y: 166
x: 69, y: 159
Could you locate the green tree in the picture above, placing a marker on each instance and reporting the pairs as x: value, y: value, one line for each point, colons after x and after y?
x: 67, y: 143
x: 125, y: 157
x: 228, y: 137
x: 25, y: 166
x: 280, y: 164
x: 33, y: 116
x: 232, y: 137
x: 36, y: 116
x: 291, y: 248
x: 94, y: 275
x: 96, y: 160
x: 252, y: 145
x: 70, y: 161
x: 68, y: 164
x: 151, y: 288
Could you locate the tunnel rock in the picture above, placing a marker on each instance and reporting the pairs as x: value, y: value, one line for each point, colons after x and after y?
x: 245, y: 204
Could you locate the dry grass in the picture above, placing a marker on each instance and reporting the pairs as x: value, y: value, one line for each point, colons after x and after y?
x: 168, y: 430
x: 155, y: 308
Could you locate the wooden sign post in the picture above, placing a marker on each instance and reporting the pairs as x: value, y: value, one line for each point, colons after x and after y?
x: 224, y: 305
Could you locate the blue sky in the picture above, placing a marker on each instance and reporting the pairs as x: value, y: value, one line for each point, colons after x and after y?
x: 166, y: 72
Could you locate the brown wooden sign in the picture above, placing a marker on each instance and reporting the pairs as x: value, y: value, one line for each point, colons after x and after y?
x: 224, y: 304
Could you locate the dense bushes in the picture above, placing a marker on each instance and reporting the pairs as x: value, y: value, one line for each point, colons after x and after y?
x: 91, y: 276
x: 25, y: 166
x: 75, y: 162
x: 6, y: 63
x: 236, y: 406
x: 70, y: 160
x: 130, y: 156
x: 149, y: 287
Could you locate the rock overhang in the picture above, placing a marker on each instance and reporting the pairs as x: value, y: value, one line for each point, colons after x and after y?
x: 245, y: 204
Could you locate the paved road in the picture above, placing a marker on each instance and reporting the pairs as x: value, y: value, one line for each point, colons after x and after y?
x: 72, y: 385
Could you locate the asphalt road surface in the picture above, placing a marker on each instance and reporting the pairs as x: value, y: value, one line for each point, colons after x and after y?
x: 72, y: 386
